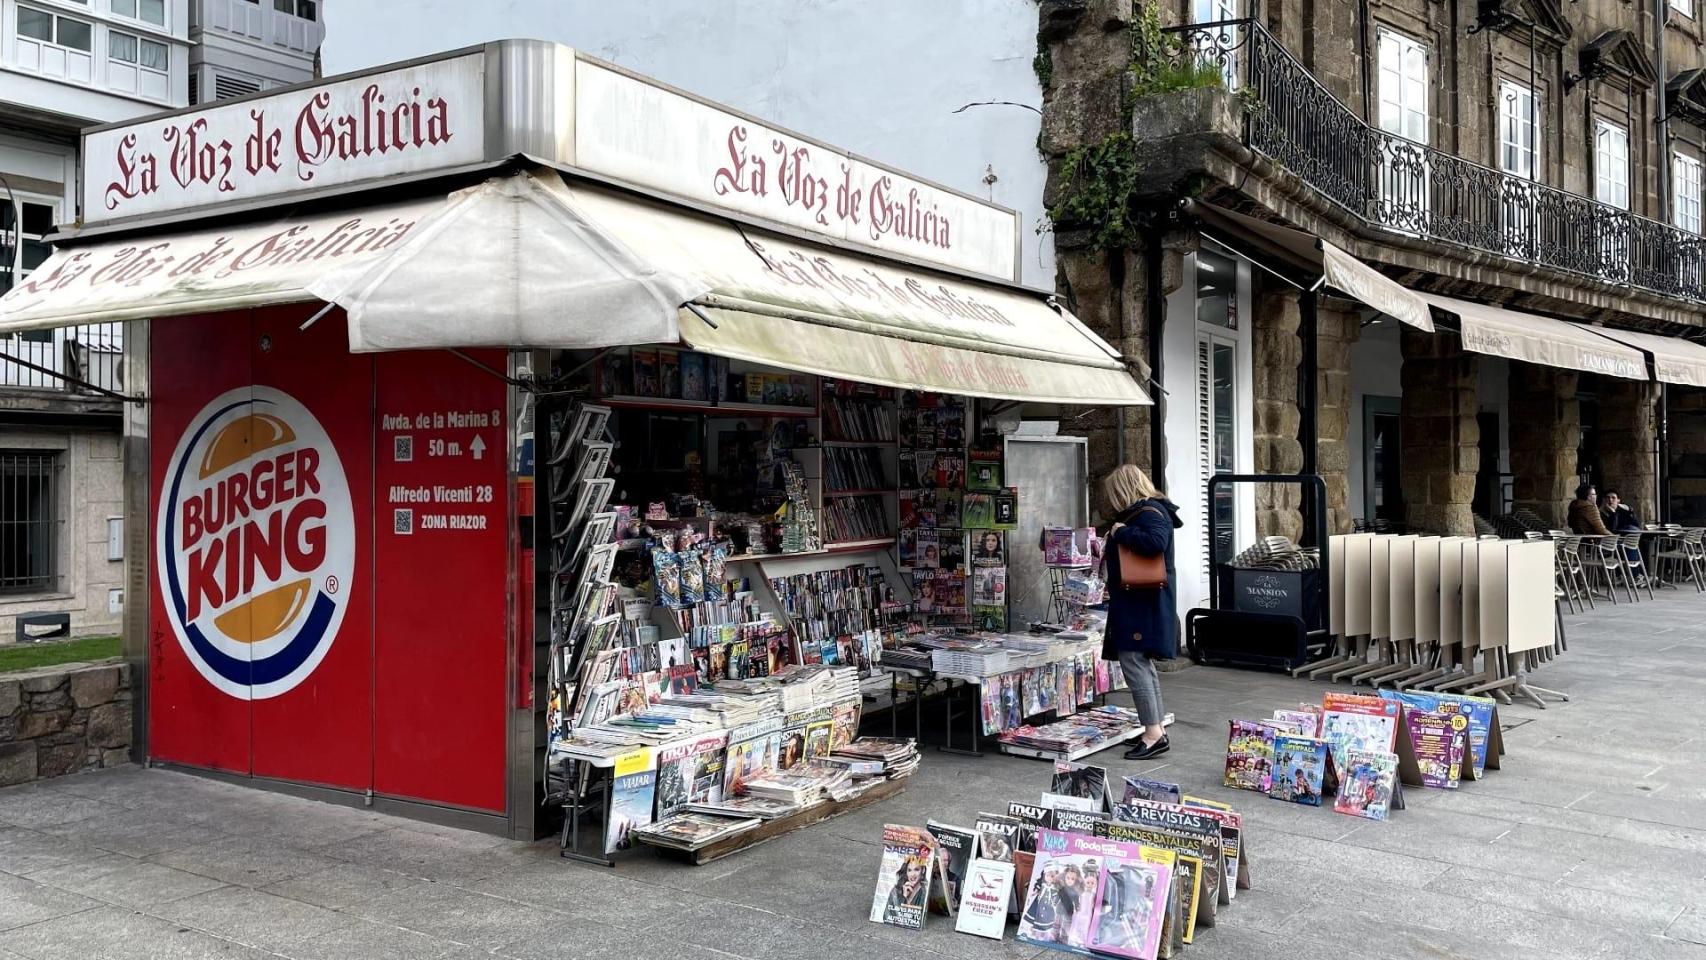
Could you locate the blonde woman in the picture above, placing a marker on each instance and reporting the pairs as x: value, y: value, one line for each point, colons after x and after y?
x: 1143, y: 625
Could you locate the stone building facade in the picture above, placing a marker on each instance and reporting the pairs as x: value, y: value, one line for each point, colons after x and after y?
x: 1542, y: 156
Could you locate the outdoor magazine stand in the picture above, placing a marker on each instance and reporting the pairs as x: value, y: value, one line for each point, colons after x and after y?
x: 1290, y: 624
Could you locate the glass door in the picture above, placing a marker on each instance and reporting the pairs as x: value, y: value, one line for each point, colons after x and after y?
x: 1217, y: 438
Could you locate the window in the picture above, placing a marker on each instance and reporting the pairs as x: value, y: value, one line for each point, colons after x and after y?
x: 1685, y: 176
x: 1684, y: 7
x: 148, y: 11
x: 23, y: 246
x: 1219, y: 48
x: 28, y: 517
x: 308, y: 9
x: 1611, y: 164
x: 40, y: 25
x: 1403, y: 86
x: 1518, y: 122
x: 147, y: 54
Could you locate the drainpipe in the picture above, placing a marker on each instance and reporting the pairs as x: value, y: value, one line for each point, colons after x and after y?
x: 1664, y: 454
x: 1362, y: 56
x: 1156, y: 303
x: 1664, y: 211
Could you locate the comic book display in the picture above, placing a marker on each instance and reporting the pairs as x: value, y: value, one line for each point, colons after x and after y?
x: 1249, y: 756
x: 1301, y: 770
x: 1368, y: 785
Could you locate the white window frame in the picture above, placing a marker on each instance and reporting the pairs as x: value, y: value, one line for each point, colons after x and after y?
x: 17, y: 201
x: 1213, y: 11
x: 1611, y: 163
x: 1406, y: 94
x: 1518, y: 111
x: 293, y: 8
x: 1685, y: 192
x: 135, y: 16
x: 56, y: 18
x: 1684, y: 7
x: 137, y: 62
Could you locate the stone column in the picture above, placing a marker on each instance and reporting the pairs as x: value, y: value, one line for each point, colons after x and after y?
x: 1277, y: 352
x: 1628, y: 442
x: 1338, y: 326
x: 1688, y: 456
x: 1546, y: 436
x: 1440, y: 434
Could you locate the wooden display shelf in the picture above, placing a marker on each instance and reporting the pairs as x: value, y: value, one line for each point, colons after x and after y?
x: 706, y: 406
x: 857, y: 492
x: 857, y: 443
x: 782, y: 826
x: 850, y: 546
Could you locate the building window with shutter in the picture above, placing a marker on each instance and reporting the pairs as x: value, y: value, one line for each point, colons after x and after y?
x: 1685, y: 186
x: 1611, y: 164
x: 29, y: 520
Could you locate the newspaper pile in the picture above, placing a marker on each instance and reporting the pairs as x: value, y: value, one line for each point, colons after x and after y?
x: 804, y: 786
x: 694, y: 831
x: 1086, y: 729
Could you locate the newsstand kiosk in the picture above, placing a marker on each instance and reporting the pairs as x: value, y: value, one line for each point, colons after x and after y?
x: 341, y: 301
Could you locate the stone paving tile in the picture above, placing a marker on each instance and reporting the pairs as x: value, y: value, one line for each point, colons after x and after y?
x: 1634, y: 914
x: 39, y: 808
x: 137, y: 833
x: 1690, y: 926
x: 25, y: 851
x: 342, y: 886
x: 464, y: 859
x: 251, y: 917
x: 125, y: 882
x: 365, y: 940
x: 25, y: 902
x: 114, y: 933
x: 463, y: 916
x: 245, y: 861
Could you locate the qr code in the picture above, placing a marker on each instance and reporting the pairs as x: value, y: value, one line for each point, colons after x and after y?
x: 403, y: 448
x: 403, y: 521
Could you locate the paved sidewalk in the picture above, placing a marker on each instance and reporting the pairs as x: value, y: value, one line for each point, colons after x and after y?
x: 1590, y: 843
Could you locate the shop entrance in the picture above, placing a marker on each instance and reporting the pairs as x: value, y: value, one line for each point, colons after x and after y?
x: 1383, y: 495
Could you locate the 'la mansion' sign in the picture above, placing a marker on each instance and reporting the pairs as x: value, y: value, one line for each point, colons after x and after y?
x: 439, y: 114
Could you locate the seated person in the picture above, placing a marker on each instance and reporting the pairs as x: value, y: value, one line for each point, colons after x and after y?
x: 1618, y: 516
x: 1584, y: 513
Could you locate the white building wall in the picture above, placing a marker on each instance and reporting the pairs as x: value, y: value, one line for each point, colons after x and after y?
x: 246, y: 47
x: 89, y: 484
x: 883, y: 78
x: 65, y: 87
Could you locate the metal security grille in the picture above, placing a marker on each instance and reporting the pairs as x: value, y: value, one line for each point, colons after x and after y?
x: 27, y: 520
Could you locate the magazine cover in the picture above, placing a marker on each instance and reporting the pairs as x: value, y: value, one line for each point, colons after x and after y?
x: 1081, y: 780
x: 667, y: 571
x: 1056, y: 803
x: 1060, y: 899
x: 1132, y: 901
x: 903, y: 880
x: 1440, y: 741
x: 1350, y: 722
x: 997, y: 836
x: 1188, y: 870
x: 1367, y: 785
x: 1300, y: 770
x: 1231, y: 844
x: 1477, y: 710
x: 693, y: 376
x: 983, y: 471
x: 1087, y: 822
x: 988, y: 892
x: 690, y: 772
x: 631, y: 793
x: 843, y: 723
x: 754, y: 750
x: 1187, y: 832
x: 1249, y: 756
x: 956, y: 848
x: 1308, y: 723
x: 1138, y: 788
x: 645, y: 370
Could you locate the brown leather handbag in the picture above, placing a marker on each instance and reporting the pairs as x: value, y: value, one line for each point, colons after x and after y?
x: 1140, y: 572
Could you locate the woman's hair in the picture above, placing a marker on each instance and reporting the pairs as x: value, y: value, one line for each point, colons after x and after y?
x: 1127, y: 485
x: 1583, y: 490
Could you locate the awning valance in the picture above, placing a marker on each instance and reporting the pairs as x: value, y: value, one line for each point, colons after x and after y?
x: 1532, y: 338
x: 1675, y: 360
x: 530, y: 261
x: 1308, y: 260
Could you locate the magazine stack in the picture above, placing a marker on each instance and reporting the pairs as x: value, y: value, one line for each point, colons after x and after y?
x: 694, y: 831
x: 1139, y: 873
x: 878, y: 758
x: 1357, y: 753
x: 1087, y: 732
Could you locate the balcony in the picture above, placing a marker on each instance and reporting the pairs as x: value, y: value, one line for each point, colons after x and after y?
x: 1414, y: 190
x: 92, y: 353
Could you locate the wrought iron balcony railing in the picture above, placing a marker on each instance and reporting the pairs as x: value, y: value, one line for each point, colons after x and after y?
x: 1411, y: 188
x: 92, y: 353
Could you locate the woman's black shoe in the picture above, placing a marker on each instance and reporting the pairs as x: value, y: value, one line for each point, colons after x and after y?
x: 1144, y: 751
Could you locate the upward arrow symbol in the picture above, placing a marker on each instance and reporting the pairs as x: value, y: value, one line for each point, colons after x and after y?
x: 478, y: 447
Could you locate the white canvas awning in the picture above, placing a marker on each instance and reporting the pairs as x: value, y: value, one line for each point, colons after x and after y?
x: 1532, y: 338
x: 1675, y: 360
x: 529, y: 261
x: 1310, y: 260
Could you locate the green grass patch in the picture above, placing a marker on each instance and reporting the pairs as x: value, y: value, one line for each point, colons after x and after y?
x: 28, y: 656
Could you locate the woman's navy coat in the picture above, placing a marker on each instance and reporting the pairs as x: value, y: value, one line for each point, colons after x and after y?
x: 1145, y: 621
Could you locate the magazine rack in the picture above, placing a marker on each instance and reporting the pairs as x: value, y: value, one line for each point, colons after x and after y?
x: 1285, y: 633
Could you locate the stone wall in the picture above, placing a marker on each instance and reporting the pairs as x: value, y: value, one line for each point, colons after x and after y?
x: 1688, y: 456
x: 62, y: 719
x: 1628, y: 439
x: 1338, y: 326
x: 1546, y: 437
x: 1441, y: 434
x: 1277, y: 352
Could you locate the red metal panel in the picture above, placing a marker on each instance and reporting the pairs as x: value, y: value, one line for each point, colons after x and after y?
x: 192, y: 361
x: 313, y: 719
x: 443, y: 573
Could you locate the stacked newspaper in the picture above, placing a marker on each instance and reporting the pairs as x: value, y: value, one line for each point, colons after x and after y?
x: 1085, y: 729
x: 694, y: 831
x: 896, y: 758
x: 908, y: 657
x: 764, y: 808
x: 802, y: 786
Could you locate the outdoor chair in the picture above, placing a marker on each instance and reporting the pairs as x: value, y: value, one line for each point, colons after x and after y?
x: 1572, y: 575
x: 1635, y: 563
x: 1683, y: 557
x: 1603, y: 558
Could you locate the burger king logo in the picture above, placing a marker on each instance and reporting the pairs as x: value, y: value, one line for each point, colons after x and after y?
x: 256, y: 542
